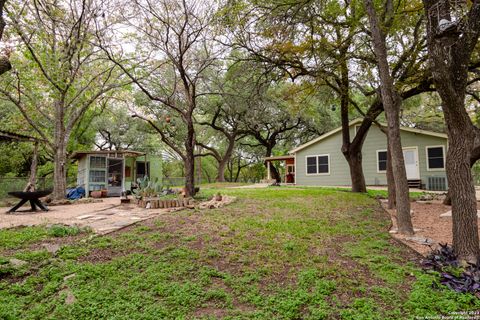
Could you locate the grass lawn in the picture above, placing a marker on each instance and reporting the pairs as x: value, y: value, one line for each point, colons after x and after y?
x: 276, y: 253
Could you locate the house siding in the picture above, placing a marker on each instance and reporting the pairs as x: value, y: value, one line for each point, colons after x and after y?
x: 375, y: 140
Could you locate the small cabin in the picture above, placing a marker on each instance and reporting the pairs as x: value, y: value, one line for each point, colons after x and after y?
x: 114, y: 170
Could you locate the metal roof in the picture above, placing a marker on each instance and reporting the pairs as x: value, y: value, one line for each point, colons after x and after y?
x: 81, y: 154
x: 358, y: 121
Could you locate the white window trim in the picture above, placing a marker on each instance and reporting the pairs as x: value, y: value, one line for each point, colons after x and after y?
x: 378, y: 170
x: 316, y: 157
x: 444, y: 158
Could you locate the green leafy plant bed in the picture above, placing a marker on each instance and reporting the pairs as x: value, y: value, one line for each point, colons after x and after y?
x: 462, y: 279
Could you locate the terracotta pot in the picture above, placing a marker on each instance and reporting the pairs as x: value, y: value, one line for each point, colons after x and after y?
x: 96, y: 194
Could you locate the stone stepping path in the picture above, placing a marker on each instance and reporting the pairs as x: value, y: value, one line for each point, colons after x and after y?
x: 115, y: 218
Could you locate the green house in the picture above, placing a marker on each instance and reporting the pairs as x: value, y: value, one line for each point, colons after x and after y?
x: 114, y: 170
x: 320, y: 162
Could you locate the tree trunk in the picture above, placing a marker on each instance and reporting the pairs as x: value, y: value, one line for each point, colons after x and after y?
x: 273, y: 170
x: 462, y: 190
x: 190, y: 161
x: 473, y: 159
x: 352, y: 153
x: 390, y: 180
x: 274, y: 173
x: 450, y: 55
x: 239, y: 169
x: 221, y: 171
x: 391, y: 104
x: 60, y: 171
x: 356, y: 172
x: 226, y: 157
x: 31, y: 186
x: 60, y: 153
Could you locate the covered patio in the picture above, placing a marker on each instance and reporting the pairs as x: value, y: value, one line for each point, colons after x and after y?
x: 288, y: 175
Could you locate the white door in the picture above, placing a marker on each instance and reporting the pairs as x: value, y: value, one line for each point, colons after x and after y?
x: 411, y: 163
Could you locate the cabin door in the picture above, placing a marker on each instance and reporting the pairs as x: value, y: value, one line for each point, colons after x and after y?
x: 290, y: 174
x: 410, y: 156
x: 115, y: 177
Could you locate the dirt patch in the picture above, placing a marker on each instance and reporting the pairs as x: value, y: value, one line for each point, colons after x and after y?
x: 100, y: 255
x: 426, y: 218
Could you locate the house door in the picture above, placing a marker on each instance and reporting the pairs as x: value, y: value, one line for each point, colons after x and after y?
x: 290, y: 175
x: 115, y: 177
x: 411, y: 163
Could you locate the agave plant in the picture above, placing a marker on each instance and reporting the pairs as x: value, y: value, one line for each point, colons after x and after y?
x: 147, y: 188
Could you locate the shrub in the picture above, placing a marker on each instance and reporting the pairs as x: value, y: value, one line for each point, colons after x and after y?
x: 460, y: 279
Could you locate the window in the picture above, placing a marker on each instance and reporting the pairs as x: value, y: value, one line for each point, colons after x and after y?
x: 318, y: 164
x: 381, y: 160
x: 97, y: 175
x: 311, y: 165
x: 435, y: 158
x: 98, y: 162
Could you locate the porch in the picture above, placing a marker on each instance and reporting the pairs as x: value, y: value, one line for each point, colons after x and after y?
x: 284, y: 172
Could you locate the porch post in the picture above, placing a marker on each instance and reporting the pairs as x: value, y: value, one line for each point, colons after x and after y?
x: 269, y: 177
x: 123, y: 173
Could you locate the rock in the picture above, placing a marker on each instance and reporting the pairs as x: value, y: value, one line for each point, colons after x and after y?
x: 395, y: 230
x: 85, y: 216
x: 17, y: 263
x: 424, y: 201
x: 51, y: 247
x: 97, y: 218
x: 70, y: 276
x: 421, y: 240
x: 70, y: 298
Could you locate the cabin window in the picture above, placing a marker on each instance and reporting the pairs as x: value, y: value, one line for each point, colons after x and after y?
x: 97, y: 175
x: 98, y: 162
x: 318, y: 164
x: 436, y: 158
x: 382, y: 160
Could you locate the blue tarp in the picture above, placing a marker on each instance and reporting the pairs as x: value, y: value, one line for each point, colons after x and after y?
x: 75, y: 193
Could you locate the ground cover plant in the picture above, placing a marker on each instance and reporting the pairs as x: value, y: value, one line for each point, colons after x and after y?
x: 276, y: 253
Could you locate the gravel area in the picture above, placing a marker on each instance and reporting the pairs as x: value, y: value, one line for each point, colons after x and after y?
x: 431, y: 228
